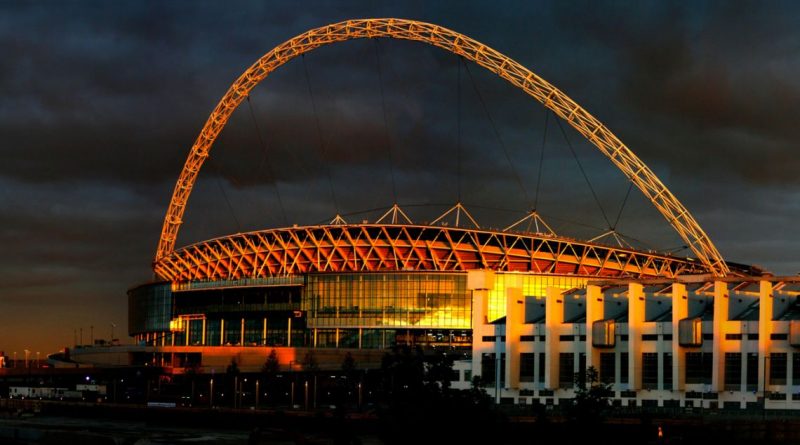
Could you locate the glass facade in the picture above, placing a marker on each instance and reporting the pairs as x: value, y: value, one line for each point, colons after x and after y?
x: 532, y: 286
x: 149, y: 308
x: 332, y: 310
x: 368, y: 300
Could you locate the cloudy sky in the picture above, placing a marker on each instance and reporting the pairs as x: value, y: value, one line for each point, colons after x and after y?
x: 102, y: 100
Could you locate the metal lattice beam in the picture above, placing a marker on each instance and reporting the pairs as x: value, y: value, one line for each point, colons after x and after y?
x: 587, y: 125
x: 379, y: 247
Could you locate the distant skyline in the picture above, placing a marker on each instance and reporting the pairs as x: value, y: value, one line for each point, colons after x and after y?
x: 102, y: 101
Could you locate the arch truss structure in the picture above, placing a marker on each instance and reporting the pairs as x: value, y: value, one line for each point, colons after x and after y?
x: 388, y: 247
x: 551, y: 97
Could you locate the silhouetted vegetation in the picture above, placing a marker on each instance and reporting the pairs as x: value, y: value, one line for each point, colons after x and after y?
x: 421, y: 406
x: 592, y: 398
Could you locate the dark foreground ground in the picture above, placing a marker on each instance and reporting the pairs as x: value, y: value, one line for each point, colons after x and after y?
x: 84, y: 424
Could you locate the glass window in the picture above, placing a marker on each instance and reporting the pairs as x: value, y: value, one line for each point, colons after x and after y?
x: 348, y: 338
x: 527, y: 366
x: 253, y: 331
x: 566, y: 369
x: 212, y: 333
x: 413, y: 300
x: 277, y: 331
x: 733, y: 371
x: 667, y: 370
x: 623, y: 367
x: 371, y: 339
x: 150, y: 308
x: 233, y: 331
x: 608, y: 367
x: 752, y: 371
x: 326, y: 338
x: 195, y: 332
x: 488, y: 368
x: 650, y: 370
x: 778, y: 362
x: 542, y: 363
x: 699, y: 366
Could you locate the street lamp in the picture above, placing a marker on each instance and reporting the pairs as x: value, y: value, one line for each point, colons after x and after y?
x: 27, y: 353
x: 211, y: 395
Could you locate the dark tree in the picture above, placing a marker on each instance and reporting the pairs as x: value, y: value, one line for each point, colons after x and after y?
x: 592, y: 398
x: 233, y: 368
x: 271, y: 365
x: 417, y: 391
x: 348, y: 365
x: 439, y: 371
x: 310, y: 362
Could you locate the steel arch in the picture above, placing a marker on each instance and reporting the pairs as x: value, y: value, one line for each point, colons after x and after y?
x: 551, y: 97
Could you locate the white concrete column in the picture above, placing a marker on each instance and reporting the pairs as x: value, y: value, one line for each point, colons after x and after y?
x: 660, y: 350
x: 480, y: 282
x: 636, y: 317
x: 595, y: 311
x: 515, y: 319
x: 746, y: 350
x: 720, y: 328
x: 765, y: 325
x: 553, y: 320
x: 680, y: 310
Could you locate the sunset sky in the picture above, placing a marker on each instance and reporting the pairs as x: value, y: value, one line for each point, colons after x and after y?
x: 101, y: 102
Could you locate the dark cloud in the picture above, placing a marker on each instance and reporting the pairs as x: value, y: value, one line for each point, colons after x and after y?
x: 102, y: 101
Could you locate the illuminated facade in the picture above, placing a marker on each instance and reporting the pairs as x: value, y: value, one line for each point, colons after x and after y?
x: 403, y: 294
x: 526, y: 310
x: 691, y: 342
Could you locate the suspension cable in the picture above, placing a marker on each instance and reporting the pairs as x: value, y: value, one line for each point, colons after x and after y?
x: 385, y: 120
x: 319, y: 134
x: 622, y: 207
x: 460, y: 60
x: 541, y: 160
x: 218, y: 175
x: 583, y: 172
x: 265, y: 161
x: 497, y: 135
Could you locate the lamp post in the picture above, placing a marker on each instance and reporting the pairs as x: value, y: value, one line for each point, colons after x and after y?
x: 27, y: 353
x: 257, y: 392
x: 235, y: 390
x: 211, y: 394
x: 37, y: 359
x: 241, y: 391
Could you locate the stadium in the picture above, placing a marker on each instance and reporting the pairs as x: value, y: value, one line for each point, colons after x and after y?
x: 521, y: 307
